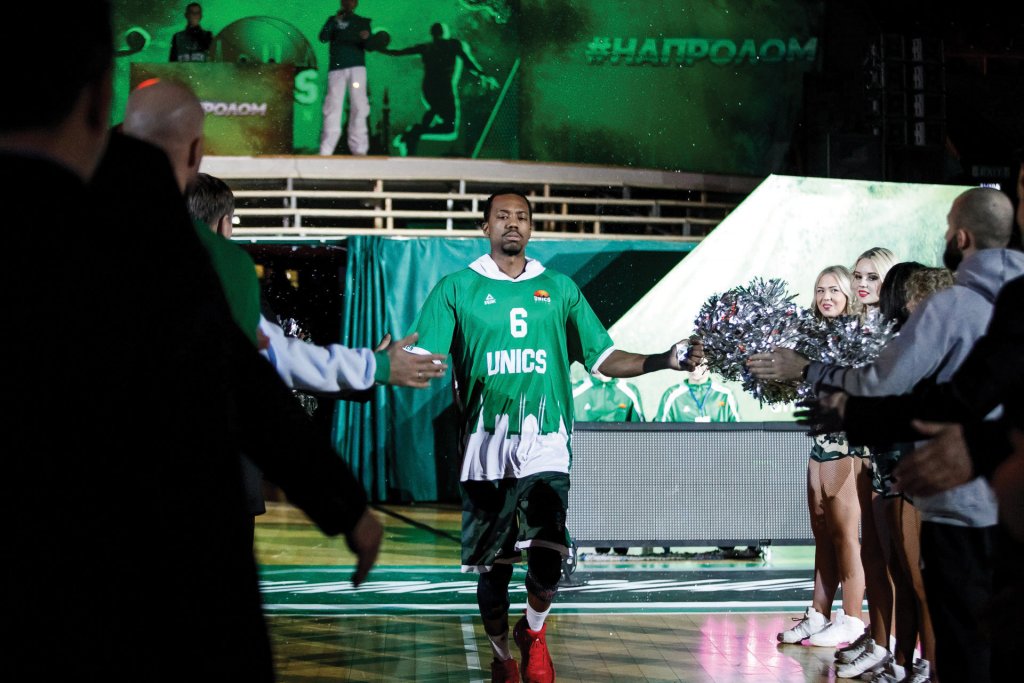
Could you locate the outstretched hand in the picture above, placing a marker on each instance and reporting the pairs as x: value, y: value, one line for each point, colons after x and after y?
x: 780, y: 365
x: 411, y: 369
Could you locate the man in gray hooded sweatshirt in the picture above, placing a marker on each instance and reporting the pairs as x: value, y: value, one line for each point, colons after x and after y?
x: 957, y: 533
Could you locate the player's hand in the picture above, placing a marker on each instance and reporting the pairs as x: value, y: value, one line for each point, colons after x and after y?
x: 693, y: 355
x: 262, y: 340
x: 780, y: 365
x: 364, y: 35
x: 364, y: 540
x: 489, y: 82
x: 413, y: 369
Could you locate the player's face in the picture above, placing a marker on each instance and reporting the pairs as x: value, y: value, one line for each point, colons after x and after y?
x: 828, y: 296
x: 508, y: 225
x: 349, y: 5
x: 194, y: 15
x: 866, y: 282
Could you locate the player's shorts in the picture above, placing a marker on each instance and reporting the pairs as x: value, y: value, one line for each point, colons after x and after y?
x: 500, y: 519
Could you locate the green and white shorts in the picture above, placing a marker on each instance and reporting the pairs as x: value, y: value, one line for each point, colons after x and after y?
x: 501, y: 519
x: 829, y: 447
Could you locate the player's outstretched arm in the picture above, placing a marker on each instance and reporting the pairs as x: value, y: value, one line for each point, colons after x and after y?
x: 684, y: 355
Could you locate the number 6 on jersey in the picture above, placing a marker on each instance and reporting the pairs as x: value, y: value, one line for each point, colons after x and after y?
x: 517, y: 319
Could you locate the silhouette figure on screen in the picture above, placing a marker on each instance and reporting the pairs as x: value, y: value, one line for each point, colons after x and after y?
x: 443, y: 58
x: 192, y: 44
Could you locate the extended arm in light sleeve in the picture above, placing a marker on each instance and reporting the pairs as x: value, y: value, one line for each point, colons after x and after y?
x: 325, y: 369
x: 917, y: 352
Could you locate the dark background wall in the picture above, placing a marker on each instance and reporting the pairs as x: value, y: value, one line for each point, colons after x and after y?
x: 948, y: 109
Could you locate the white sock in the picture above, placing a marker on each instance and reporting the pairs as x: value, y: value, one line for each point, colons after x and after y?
x: 500, y: 645
x: 534, y: 618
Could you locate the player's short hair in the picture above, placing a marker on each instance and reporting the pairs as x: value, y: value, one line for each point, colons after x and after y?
x: 502, y: 193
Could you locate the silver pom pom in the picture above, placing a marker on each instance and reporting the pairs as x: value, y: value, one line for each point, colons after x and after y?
x: 762, y: 317
x: 757, y: 318
x: 847, y: 341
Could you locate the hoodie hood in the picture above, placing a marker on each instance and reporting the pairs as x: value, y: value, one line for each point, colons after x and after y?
x: 486, y: 266
x: 986, y: 271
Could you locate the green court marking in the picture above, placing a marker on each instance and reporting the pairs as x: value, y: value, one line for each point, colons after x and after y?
x: 428, y: 590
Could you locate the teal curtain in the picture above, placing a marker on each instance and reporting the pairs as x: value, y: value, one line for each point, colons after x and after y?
x: 360, y: 429
x: 403, y: 444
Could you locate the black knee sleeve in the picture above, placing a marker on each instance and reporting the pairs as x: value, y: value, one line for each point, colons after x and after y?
x: 544, y: 572
x: 492, y: 592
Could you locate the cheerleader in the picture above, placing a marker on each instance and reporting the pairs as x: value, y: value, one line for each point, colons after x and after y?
x: 834, y: 507
x: 868, y: 652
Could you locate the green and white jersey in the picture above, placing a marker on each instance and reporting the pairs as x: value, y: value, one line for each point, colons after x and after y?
x: 702, y: 402
x: 511, y: 343
x: 614, y: 400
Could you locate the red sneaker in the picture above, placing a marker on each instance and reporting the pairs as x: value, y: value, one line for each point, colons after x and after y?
x: 537, y: 666
x: 504, y: 671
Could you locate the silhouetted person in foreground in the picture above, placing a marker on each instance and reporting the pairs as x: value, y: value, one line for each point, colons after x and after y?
x: 132, y: 395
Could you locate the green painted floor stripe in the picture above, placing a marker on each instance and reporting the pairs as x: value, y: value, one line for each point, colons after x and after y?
x: 443, y: 590
x: 563, y: 609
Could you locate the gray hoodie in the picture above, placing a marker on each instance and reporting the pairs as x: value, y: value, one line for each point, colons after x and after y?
x: 931, y: 346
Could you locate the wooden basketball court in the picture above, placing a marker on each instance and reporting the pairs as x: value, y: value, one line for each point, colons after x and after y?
x: 690, y: 617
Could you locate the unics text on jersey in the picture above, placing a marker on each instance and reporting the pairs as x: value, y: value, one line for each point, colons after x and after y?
x: 517, y: 361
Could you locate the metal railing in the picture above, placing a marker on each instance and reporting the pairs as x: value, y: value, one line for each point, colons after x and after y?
x: 288, y: 198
